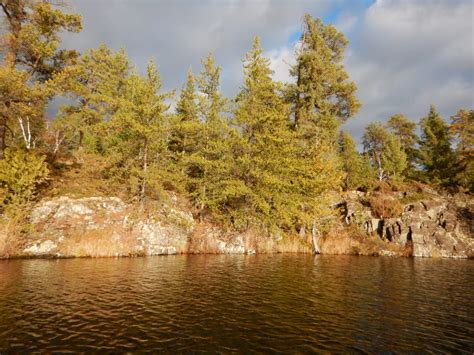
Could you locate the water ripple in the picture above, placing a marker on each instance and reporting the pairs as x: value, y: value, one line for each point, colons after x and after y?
x: 257, y: 303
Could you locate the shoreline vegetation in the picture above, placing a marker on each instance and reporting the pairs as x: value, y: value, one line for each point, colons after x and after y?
x: 117, y: 172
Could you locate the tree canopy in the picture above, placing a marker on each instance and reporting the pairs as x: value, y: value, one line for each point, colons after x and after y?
x: 266, y: 159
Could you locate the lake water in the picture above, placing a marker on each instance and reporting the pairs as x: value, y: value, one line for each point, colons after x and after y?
x: 254, y: 303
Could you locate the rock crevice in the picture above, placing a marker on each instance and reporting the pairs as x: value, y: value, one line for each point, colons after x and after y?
x: 439, y: 226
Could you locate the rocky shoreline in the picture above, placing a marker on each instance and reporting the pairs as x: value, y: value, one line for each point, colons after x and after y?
x: 106, y: 227
x: 435, y: 226
x: 431, y: 226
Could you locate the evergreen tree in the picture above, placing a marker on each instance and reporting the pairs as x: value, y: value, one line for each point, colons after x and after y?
x: 404, y: 129
x: 187, y: 128
x: 99, y: 79
x: 322, y: 98
x: 436, y: 154
x: 22, y: 107
x: 462, y: 128
x: 21, y: 173
x: 187, y: 108
x: 323, y: 95
x: 32, y: 47
x: 356, y: 168
x: 209, y: 164
x: 385, y: 151
x: 212, y: 103
x: 260, y: 115
x: 138, y: 136
x: 394, y: 159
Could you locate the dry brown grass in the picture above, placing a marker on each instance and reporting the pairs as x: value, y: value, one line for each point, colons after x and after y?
x: 105, y: 242
x: 203, y: 241
x: 288, y: 244
x: 385, y: 206
x: 82, y: 179
x: 352, y: 241
x: 10, y: 238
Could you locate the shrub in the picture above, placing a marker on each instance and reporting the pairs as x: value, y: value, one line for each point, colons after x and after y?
x: 21, y: 173
x: 385, y: 206
x: 415, y: 197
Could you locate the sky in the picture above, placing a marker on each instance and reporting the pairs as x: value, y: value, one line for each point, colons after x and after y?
x: 403, y: 54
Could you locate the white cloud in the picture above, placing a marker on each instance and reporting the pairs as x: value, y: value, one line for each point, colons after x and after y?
x: 346, y: 22
x: 180, y: 32
x: 403, y: 54
x: 281, y: 61
x: 410, y: 54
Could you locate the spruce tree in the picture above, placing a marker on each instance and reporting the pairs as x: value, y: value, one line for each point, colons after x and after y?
x: 187, y: 126
x: 99, y: 80
x: 138, y: 135
x: 357, y: 171
x: 208, y: 166
x: 436, y: 155
x: 385, y: 151
x: 265, y: 162
x: 462, y: 128
x: 33, y: 63
x: 323, y: 96
x: 404, y: 129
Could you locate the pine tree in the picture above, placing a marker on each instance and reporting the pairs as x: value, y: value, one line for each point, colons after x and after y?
x: 21, y: 173
x: 99, y: 79
x: 187, y: 126
x: 394, y: 159
x: 32, y: 46
x: 436, y: 154
x: 138, y: 136
x: 385, y: 151
x: 404, y: 129
x: 323, y: 95
x: 187, y: 108
x: 208, y: 164
x: 279, y: 185
x: 22, y: 107
x: 357, y: 170
x: 322, y: 98
x: 462, y: 128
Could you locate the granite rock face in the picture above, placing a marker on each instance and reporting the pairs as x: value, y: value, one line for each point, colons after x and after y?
x: 106, y: 226
x: 438, y: 226
x: 433, y: 226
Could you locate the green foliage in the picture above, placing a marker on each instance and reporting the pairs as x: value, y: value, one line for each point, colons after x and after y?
x: 357, y: 169
x: 138, y: 134
x: 404, y: 129
x: 323, y: 93
x: 206, y: 156
x: 99, y: 79
x: 33, y: 37
x: 462, y: 128
x: 34, y: 67
x: 267, y: 159
x: 393, y: 157
x: 385, y: 152
x: 21, y: 174
x: 187, y: 127
x: 436, y: 155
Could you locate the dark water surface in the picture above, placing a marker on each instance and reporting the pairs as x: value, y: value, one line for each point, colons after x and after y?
x: 261, y: 303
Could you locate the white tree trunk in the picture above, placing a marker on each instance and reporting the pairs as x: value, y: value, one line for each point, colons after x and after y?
x: 25, y: 131
x: 315, y: 239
